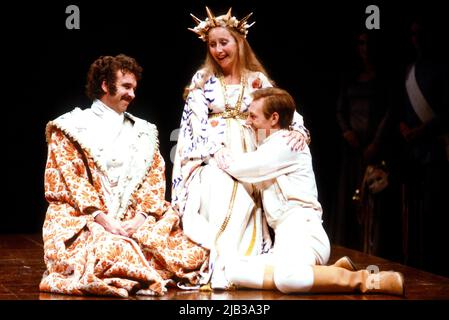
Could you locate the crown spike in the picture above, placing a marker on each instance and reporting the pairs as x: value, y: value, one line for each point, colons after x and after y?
x: 250, y: 25
x: 211, y: 17
x: 203, y: 27
x: 229, y: 14
x: 243, y: 21
x: 198, y: 21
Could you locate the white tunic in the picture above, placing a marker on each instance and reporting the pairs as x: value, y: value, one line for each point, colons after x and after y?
x: 285, y: 177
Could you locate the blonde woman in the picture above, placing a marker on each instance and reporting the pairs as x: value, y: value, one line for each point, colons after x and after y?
x: 218, y: 212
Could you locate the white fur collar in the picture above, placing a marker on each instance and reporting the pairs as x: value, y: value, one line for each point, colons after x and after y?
x: 80, y: 126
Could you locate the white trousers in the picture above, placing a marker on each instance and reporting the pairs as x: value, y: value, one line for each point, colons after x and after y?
x: 300, y: 242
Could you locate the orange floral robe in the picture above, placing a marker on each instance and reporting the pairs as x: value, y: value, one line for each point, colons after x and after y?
x: 81, y: 257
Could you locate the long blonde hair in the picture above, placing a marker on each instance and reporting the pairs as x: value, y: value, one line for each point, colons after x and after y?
x: 247, y: 57
x: 248, y: 61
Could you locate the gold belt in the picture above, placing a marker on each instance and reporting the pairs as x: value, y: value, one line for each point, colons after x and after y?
x: 233, y: 113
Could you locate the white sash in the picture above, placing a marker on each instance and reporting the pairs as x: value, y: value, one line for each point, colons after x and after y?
x: 417, y: 100
x: 420, y: 104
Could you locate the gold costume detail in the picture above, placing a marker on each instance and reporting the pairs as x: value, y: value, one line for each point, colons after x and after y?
x: 231, y: 112
x: 268, y: 278
x: 253, y: 236
x: 229, y: 213
x: 227, y: 20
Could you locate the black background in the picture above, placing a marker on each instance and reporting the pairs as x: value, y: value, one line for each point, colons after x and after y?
x: 303, y: 45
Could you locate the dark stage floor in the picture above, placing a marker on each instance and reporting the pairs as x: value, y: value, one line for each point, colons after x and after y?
x: 21, y: 267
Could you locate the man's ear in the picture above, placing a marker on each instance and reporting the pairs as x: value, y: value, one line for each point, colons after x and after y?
x: 274, y: 119
x: 104, y: 86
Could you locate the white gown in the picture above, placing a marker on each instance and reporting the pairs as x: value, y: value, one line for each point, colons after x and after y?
x: 218, y: 212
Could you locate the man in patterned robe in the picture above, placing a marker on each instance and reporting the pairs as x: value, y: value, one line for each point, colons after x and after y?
x: 108, y: 229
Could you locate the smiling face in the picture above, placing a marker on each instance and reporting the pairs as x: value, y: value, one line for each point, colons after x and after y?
x: 261, y: 125
x: 223, y: 48
x: 126, y: 85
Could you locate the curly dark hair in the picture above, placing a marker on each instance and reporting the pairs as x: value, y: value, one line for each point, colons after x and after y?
x: 105, y: 69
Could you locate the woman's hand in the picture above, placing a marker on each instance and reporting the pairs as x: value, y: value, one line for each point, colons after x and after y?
x: 297, y: 140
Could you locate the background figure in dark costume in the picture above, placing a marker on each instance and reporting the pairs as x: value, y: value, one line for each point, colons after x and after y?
x: 424, y: 126
x: 363, y: 113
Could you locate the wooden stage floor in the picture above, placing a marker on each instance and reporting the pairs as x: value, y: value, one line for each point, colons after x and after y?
x: 22, y: 265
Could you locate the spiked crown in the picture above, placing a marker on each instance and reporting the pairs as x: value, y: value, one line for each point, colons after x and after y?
x: 227, y: 20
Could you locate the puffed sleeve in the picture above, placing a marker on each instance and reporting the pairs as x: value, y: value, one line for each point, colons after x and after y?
x: 195, y: 142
